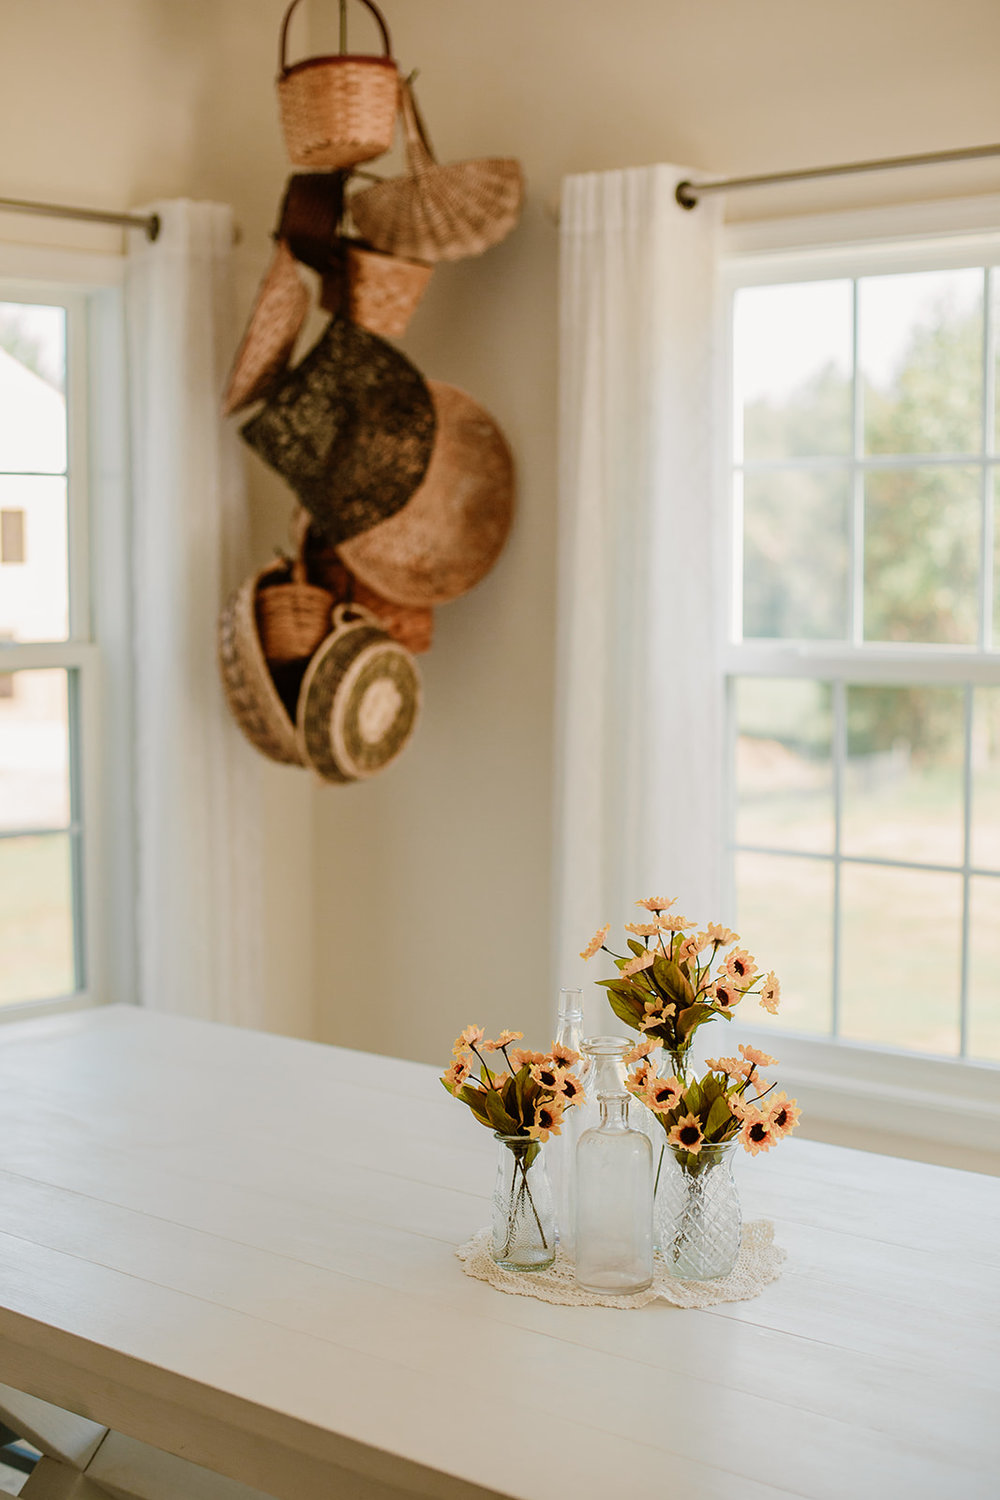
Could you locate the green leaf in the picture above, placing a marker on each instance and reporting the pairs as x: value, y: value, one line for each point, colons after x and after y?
x: 637, y: 948
x: 626, y: 1010
x: 689, y: 1019
x: 718, y: 1116
x: 476, y: 1101
x: 671, y: 982
x: 693, y: 1099
x: 499, y: 1118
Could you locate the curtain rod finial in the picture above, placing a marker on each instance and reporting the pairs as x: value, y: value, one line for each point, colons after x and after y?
x: 686, y: 195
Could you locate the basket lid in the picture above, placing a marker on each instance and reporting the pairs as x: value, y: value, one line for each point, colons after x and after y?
x: 359, y: 701
x: 278, y: 313
x: 350, y: 428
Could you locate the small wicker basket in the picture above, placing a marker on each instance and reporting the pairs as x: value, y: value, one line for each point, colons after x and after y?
x: 293, y: 617
x: 340, y: 110
x: 383, y: 290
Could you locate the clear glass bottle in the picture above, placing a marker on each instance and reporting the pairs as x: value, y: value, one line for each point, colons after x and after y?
x: 561, y: 1149
x: 614, y: 1203
x: 524, y: 1221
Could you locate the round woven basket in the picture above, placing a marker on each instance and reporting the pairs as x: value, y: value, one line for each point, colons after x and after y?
x: 278, y: 314
x: 412, y: 627
x: 452, y: 530
x: 253, y: 699
x: 340, y: 110
x: 293, y: 617
x: 359, y: 701
x: 439, y: 212
x: 350, y: 428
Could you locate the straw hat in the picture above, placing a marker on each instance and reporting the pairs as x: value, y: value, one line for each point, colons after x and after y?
x: 278, y: 313
x: 359, y: 700
x: 249, y: 687
x: 451, y: 532
x: 350, y: 428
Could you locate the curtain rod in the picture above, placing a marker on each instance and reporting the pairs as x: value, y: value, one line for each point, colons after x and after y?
x: 688, y: 193
x: 149, y: 222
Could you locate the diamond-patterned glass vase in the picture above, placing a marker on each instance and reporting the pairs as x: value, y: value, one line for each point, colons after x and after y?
x: 524, y: 1222
x: 697, y: 1211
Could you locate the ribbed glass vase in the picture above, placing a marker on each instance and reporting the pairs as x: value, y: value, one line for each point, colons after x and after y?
x: 524, y: 1221
x: 697, y: 1212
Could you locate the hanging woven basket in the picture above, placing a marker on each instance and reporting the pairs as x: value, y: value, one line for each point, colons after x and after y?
x: 376, y: 291
x: 438, y: 212
x: 359, y: 701
x: 450, y: 533
x: 411, y: 625
x: 278, y: 314
x: 350, y: 428
x: 309, y: 221
x: 253, y: 698
x: 337, y: 110
x: 293, y: 617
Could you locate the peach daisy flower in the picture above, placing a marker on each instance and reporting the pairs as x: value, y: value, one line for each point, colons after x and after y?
x: 663, y: 1094
x: 673, y: 924
x: 570, y: 1089
x: 547, y: 1074
x: 758, y: 1133
x: 687, y: 1134
x: 548, y: 1120
x: 657, y: 903
x: 771, y: 993
x: 656, y: 1016
x: 724, y: 993
x: 756, y: 1057
x: 783, y: 1115
x: 690, y: 948
x: 497, y: 1080
x: 521, y: 1058
x: 639, y: 1051
x: 715, y: 933
x: 471, y: 1037
x: 564, y: 1056
x: 642, y: 929
x: 728, y: 1065
x: 738, y: 1106
x: 740, y: 966
x: 636, y: 965
x: 456, y: 1075
x: 640, y: 1077
x: 503, y: 1040
x: 597, y: 941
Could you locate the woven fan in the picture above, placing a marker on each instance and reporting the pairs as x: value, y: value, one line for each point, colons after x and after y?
x: 278, y: 313
x: 439, y: 212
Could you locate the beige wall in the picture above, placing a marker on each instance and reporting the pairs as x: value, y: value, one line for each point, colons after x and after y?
x: 402, y: 909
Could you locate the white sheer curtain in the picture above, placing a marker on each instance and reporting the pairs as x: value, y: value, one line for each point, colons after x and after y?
x: 197, y: 788
x: 637, y: 776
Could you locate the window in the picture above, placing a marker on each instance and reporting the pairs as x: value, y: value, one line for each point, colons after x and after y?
x: 60, y: 748
x: 863, y: 664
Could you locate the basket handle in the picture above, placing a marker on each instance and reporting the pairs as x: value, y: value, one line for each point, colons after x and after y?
x: 419, y: 150
x: 283, y: 44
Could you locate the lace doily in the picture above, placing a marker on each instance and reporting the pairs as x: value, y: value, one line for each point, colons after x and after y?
x: 758, y: 1263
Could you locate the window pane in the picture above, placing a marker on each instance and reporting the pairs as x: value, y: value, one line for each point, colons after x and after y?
x: 36, y: 918
x: 34, y: 585
x: 922, y: 543
x: 792, y: 370
x: 901, y: 958
x: 795, y: 554
x: 920, y: 340
x: 785, y: 917
x: 784, y: 772
x: 984, y: 968
x: 32, y: 385
x: 986, y: 779
x: 34, y: 750
x: 903, y: 780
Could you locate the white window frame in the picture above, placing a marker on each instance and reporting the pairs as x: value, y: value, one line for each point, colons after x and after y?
x: 873, y: 1088
x: 98, y: 646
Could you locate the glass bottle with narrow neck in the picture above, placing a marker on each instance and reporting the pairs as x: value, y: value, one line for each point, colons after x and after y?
x: 614, y: 1203
x: 561, y: 1149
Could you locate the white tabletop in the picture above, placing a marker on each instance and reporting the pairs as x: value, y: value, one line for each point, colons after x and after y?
x: 240, y: 1248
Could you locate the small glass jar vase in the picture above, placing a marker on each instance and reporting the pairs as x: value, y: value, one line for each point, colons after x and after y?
x: 560, y: 1150
x: 697, y: 1211
x: 614, y: 1204
x: 524, y: 1222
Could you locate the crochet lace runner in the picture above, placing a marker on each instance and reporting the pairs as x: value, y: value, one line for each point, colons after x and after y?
x: 758, y: 1263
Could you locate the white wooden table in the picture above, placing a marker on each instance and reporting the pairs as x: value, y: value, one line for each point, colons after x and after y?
x: 239, y: 1249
